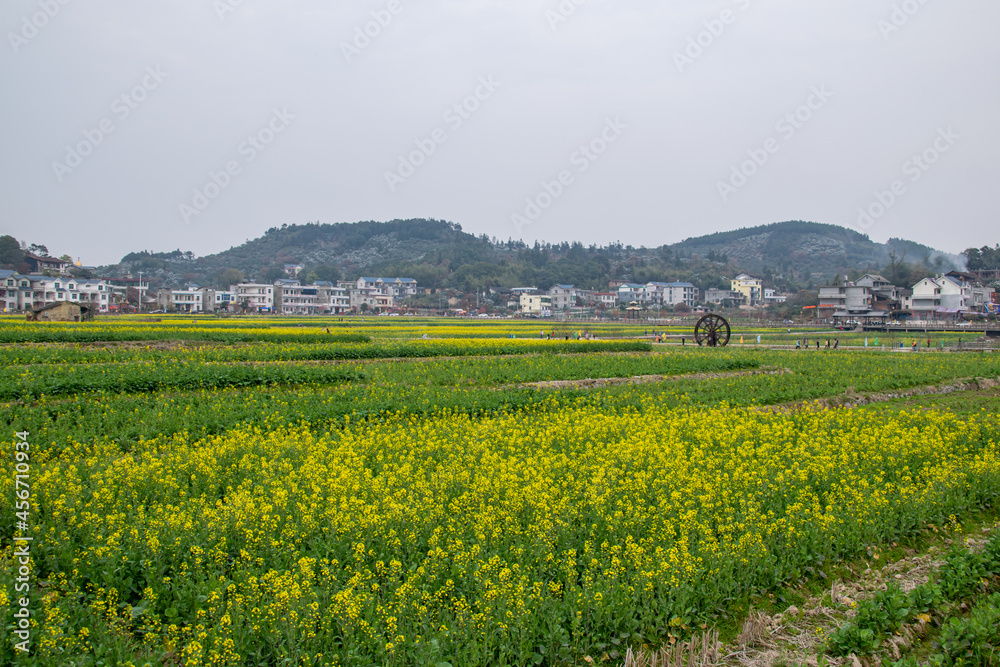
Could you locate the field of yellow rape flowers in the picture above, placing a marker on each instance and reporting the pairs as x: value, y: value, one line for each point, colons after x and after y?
x: 245, y: 493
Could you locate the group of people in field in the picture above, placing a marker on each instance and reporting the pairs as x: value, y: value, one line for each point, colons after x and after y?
x: 578, y: 335
x: 804, y: 344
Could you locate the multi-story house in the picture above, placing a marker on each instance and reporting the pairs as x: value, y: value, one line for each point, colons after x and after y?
x: 257, y: 297
x: 980, y: 295
x: 514, y: 299
x: 606, y: 299
x: 220, y: 300
x: 332, y: 299
x: 629, y: 292
x: 367, y: 290
x: 656, y: 293
x: 847, y: 295
x: 15, y: 291
x: 187, y: 300
x: 536, y: 304
x: 291, y: 297
x: 42, y: 265
x: 724, y: 297
x: 772, y: 297
x: 364, y: 296
x: 46, y: 290
x: 849, y: 303
x: 751, y: 287
x: 678, y: 293
x: 398, y: 288
x: 885, y: 295
x: 925, y: 301
x: 670, y: 294
x: 93, y: 293
x: 562, y: 297
x: 945, y: 297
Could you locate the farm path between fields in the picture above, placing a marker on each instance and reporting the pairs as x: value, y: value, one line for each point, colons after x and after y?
x: 592, y: 383
x: 797, y: 634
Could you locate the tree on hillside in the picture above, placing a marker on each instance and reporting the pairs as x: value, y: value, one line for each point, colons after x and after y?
x: 897, y: 271
x: 229, y: 277
x: 272, y: 274
x: 10, y: 251
x: 985, y: 258
x: 325, y: 272
x: 81, y: 273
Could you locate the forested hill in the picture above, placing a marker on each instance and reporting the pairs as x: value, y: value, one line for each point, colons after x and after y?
x: 439, y: 254
x: 813, y: 248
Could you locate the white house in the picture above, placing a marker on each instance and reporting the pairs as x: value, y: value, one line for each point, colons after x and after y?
x: 291, y: 297
x: 848, y: 295
x: 685, y: 293
x: 562, y: 297
x: 188, y: 300
x: 397, y: 288
x: 45, y: 290
x: 332, y: 299
x: 255, y: 296
x: 723, y: 297
x: 606, y: 299
x: 772, y: 296
x: 629, y: 292
x: 945, y: 297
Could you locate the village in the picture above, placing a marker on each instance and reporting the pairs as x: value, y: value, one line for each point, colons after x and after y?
x: 57, y: 289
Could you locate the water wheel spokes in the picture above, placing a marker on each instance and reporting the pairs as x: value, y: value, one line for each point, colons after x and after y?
x: 712, y: 331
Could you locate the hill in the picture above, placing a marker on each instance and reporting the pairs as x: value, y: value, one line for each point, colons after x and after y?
x: 808, y: 248
x: 439, y: 254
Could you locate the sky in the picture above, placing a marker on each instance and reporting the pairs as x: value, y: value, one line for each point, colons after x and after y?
x: 199, y: 125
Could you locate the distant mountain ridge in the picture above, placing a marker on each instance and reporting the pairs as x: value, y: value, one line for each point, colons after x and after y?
x: 439, y: 254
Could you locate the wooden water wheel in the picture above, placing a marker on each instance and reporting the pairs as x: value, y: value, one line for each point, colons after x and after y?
x: 713, y: 331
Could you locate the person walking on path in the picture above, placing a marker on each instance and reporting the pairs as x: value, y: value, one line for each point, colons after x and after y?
x: 797, y: 345
x: 836, y: 343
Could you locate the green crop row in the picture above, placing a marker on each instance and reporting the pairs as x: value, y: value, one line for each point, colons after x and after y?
x: 46, y: 333
x: 294, y: 350
x: 964, y: 574
x: 149, y: 376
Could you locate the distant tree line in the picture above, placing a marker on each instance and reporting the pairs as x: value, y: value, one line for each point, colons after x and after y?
x: 983, y: 259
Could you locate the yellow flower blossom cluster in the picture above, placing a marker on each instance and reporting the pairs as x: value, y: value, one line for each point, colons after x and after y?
x: 476, y: 540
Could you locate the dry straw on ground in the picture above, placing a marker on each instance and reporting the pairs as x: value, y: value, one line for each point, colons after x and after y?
x: 701, y: 651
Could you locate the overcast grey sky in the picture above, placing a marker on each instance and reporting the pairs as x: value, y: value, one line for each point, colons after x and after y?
x: 198, y: 125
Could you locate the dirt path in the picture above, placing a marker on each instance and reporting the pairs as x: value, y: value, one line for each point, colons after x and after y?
x: 798, y: 634
x: 852, y: 399
x: 590, y: 383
